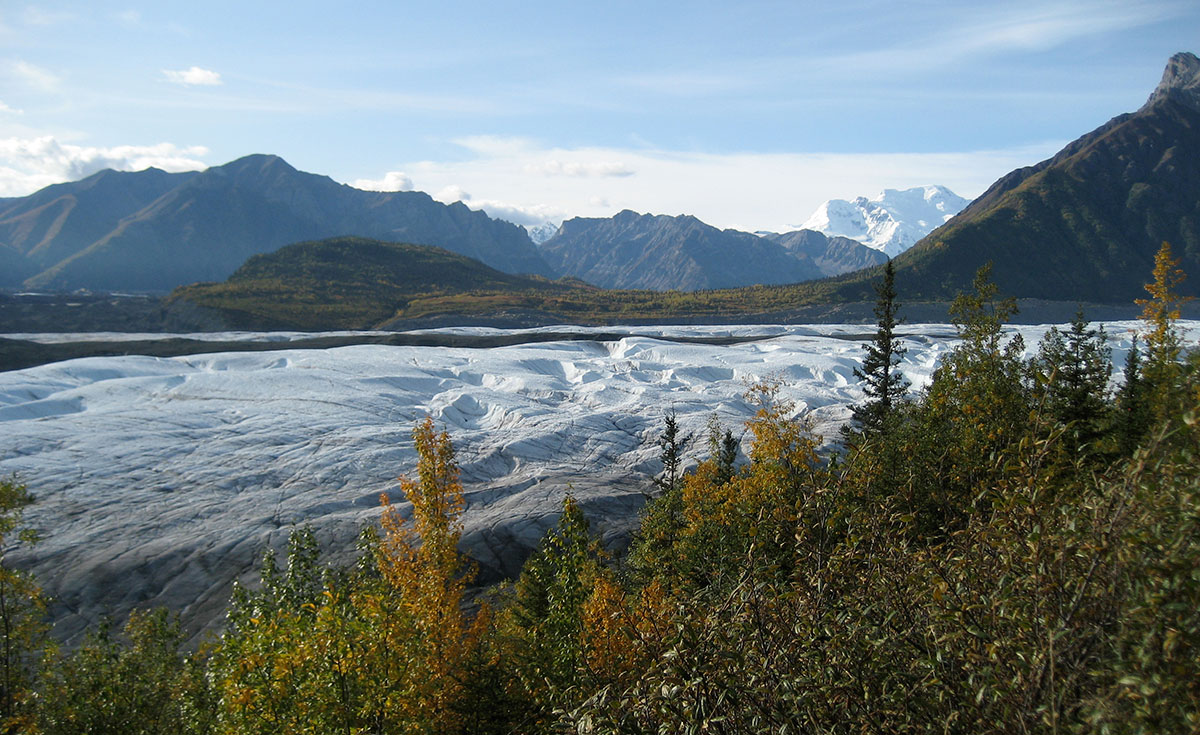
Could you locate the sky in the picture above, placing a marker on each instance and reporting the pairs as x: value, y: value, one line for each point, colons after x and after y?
x: 744, y: 114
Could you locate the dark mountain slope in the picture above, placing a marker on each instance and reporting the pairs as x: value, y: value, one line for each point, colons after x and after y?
x: 61, y: 220
x: 1084, y: 225
x: 661, y: 253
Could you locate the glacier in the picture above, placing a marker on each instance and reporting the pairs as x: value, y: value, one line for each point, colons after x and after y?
x: 160, y: 480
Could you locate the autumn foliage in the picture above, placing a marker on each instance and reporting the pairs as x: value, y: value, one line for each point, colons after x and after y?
x: 1013, y: 548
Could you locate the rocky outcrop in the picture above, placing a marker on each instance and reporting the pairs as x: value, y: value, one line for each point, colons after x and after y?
x: 1180, y: 82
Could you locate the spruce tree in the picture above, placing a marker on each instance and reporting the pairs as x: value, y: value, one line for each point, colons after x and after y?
x: 1074, y: 368
x: 672, y: 453
x: 883, y: 383
x: 722, y: 449
x: 1133, y: 405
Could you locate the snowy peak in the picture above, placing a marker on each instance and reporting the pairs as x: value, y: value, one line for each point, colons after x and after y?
x: 542, y: 232
x: 891, y: 222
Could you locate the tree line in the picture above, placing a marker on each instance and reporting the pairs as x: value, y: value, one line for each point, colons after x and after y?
x: 1012, y: 548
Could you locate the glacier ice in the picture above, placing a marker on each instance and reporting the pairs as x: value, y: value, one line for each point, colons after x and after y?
x: 159, y: 480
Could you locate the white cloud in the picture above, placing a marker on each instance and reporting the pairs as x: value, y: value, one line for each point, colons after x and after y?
x: 555, y: 167
x: 9, y: 110
x: 32, y: 76
x: 530, y: 215
x: 451, y: 194
x: 391, y: 181
x: 194, y: 76
x: 29, y: 164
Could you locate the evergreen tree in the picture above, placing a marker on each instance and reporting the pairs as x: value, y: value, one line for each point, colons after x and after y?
x: 1133, y: 409
x: 671, y: 446
x: 662, y: 517
x: 976, y: 406
x: 544, y: 624
x: 883, y: 383
x: 722, y: 449
x: 1073, y: 371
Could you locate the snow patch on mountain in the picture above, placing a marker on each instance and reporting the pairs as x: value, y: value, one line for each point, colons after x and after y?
x: 892, y: 221
x: 540, y: 233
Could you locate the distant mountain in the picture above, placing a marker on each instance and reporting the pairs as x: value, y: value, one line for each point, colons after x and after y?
x: 153, y: 231
x: 41, y: 230
x: 833, y: 256
x: 1084, y: 225
x: 343, y: 282
x: 543, y: 232
x: 891, y: 222
x: 662, y: 253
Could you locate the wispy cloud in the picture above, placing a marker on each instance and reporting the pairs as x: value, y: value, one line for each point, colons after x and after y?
x: 41, y: 17
x: 193, y: 76
x: 555, y: 167
x: 29, y: 164
x: 31, y: 75
x: 1019, y: 27
x: 130, y: 17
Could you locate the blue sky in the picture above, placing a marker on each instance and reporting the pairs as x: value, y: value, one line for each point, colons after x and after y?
x: 745, y: 114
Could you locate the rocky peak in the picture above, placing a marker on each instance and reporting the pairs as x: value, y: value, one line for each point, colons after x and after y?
x: 1180, y: 81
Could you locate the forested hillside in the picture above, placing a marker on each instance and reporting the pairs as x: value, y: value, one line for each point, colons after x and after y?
x: 1011, y: 549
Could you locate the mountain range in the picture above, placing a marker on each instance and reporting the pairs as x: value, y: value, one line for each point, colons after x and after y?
x: 151, y: 230
x: 661, y: 253
x: 1083, y: 225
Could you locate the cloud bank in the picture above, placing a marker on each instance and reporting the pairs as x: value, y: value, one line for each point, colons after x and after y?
x: 29, y: 164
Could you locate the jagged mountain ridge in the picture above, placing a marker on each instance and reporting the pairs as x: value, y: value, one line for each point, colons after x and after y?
x: 833, y: 256
x: 157, y: 230
x: 661, y: 253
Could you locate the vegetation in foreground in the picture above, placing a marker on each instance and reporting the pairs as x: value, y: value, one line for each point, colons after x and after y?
x: 1014, y: 549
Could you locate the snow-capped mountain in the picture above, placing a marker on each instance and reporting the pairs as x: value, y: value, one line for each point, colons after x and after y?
x: 542, y: 232
x: 893, y: 221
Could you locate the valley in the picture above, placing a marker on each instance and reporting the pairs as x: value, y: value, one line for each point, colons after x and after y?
x: 160, y: 480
